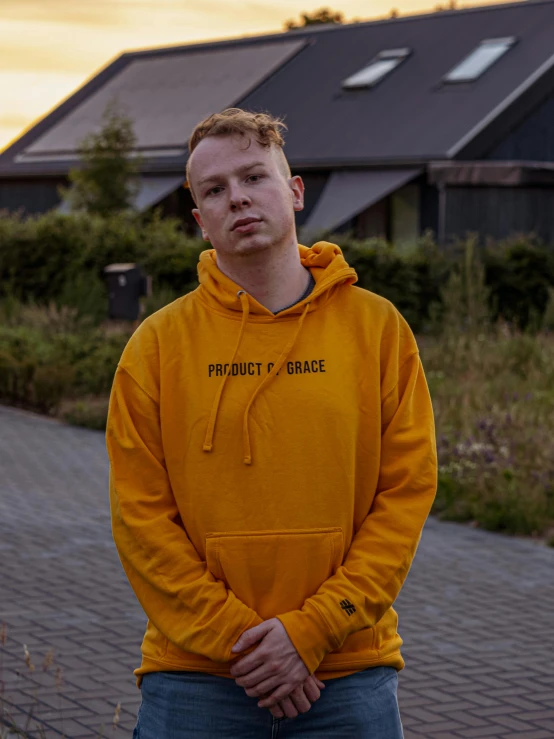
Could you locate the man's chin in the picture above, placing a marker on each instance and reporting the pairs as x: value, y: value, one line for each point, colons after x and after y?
x: 252, y: 243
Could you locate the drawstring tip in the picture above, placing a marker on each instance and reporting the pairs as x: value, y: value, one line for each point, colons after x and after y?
x: 207, y: 447
x: 248, y: 460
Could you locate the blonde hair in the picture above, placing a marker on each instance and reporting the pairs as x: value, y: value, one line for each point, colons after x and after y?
x: 262, y: 127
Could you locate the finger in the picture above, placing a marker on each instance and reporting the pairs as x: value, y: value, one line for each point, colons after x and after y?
x: 247, y: 664
x: 288, y: 708
x: 277, y: 711
x: 251, y: 679
x: 311, y: 690
x: 249, y: 637
x: 264, y: 688
x: 301, y: 703
x: 318, y: 682
x: 283, y: 691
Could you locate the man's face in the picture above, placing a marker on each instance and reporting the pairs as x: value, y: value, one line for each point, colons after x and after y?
x: 245, y: 199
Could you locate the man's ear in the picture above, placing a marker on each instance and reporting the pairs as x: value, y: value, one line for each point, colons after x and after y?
x: 296, y: 185
x: 198, y: 219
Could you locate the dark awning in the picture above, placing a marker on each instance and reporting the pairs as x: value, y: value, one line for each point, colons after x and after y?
x: 152, y: 190
x: 155, y: 189
x: 348, y: 193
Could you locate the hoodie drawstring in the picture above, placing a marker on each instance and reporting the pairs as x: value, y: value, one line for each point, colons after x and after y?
x: 208, y: 441
x: 276, y: 367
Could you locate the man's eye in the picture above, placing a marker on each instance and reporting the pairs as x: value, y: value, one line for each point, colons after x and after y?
x: 213, y: 190
x: 255, y: 177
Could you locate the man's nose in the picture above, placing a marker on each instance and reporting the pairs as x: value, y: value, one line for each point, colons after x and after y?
x: 238, y: 198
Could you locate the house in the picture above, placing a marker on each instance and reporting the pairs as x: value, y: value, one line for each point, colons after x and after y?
x: 441, y: 121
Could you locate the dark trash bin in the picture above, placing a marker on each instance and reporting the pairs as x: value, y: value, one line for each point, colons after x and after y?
x: 126, y: 285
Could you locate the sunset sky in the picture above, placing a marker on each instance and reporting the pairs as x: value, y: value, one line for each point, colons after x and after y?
x: 48, y: 48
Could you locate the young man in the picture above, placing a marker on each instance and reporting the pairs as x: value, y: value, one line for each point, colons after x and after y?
x: 272, y: 465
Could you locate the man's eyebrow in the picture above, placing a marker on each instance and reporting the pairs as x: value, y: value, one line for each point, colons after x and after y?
x: 244, y: 168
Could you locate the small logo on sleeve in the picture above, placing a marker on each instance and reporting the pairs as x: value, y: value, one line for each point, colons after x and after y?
x: 347, y: 606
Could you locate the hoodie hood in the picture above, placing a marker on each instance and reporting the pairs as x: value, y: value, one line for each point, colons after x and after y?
x: 324, y: 260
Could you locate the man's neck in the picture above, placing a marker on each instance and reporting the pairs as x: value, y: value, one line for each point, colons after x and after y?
x: 274, y: 277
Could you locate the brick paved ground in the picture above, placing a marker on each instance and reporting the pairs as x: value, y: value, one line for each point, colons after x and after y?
x: 476, y: 614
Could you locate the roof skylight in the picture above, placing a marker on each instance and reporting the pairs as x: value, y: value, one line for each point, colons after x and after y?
x: 380, y: 67
x: 480, y: 59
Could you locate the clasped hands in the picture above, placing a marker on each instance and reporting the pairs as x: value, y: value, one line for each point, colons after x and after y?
x: 274, y: 671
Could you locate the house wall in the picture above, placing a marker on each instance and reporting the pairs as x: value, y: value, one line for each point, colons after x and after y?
x: 405, y: 216
x: 499, y: 212
x: 373, y: 222
x: 402, y: 216
x: 532, y: 139
x: 30, y: 196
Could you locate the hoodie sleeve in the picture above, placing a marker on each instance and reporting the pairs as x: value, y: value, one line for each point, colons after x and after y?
x: 384, y: 546
x: 172, y: 583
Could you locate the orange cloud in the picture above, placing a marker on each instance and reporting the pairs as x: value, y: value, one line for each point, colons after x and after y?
x: 97, y: 13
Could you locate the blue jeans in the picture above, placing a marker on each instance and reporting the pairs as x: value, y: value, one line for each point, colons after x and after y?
x: 194, y: 705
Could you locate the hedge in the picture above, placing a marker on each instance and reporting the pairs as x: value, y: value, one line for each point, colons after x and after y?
x: 60, y: 258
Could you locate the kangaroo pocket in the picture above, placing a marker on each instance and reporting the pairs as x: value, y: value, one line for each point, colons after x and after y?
x: 274, y: 571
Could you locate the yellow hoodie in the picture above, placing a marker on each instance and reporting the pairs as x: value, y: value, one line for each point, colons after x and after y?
x: 271, y: 466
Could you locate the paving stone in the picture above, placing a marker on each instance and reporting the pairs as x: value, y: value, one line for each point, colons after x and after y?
x: 472, y: 669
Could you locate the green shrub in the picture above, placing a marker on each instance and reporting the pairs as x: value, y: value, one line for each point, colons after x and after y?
x: 412, y: 281
x: 159, y: 299
x: 95, y: 358
x: 519, y: 274
x: 61, y: 258
x: 90, y: 413
x: 49, y: 354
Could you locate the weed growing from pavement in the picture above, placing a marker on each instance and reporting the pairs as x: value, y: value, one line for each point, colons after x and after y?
x: 8, y: 725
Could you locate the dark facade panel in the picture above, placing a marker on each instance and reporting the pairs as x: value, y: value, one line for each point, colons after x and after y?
x: 533, y: 139
x: 429, y: 208
x: 29, y: 196
x: 500, y: 212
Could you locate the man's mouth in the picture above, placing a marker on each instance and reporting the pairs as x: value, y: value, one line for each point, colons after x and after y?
x: 244, y: 225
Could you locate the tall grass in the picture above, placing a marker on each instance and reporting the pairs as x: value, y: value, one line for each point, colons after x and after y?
x: 493, y: 396
x: 55, y: 361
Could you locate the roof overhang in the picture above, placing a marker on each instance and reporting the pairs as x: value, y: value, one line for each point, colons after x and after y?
x: 490, y: 173
x: 506, y: 115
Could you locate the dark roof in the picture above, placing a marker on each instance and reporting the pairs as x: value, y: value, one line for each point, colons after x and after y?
x: 408, y: 118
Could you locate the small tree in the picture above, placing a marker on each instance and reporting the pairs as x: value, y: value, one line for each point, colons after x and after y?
x: 323, y: 15
x: 107, y: 180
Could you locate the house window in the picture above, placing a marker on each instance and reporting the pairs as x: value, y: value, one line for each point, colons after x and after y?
x: 480, y: 59
x: 380, y: 67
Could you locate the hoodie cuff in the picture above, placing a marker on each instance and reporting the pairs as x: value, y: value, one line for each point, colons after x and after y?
x: 310, y: 633
x: 237, y: 632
